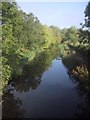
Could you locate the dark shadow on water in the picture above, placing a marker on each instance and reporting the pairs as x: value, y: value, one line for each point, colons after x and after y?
x: 78, y: 71
x: 11, y: 106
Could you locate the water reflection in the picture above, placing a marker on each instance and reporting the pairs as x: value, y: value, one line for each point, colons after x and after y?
x: 31, y: 77
x: 11, y: 106
x: 77, y: 67
x: 32, y: 72
x: 85, y: 109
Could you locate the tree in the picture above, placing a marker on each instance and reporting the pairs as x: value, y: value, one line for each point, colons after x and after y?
x: 84, y: 32
x: 57, y: 33
x: 71, y: 35
x: 87, y: 15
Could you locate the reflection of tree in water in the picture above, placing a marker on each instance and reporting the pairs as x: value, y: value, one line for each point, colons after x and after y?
x: 30, y: 79
x: 83, y: 89
x: 11, y: 106
x: 85, y: 109
x: 32, y: 72
x: 78, y: 72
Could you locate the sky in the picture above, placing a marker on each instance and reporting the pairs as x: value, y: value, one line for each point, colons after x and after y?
x: 61, y: 14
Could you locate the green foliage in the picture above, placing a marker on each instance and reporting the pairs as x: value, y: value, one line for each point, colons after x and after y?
x: 6, y: 72
x: 56, y: 33
x: 84, y: 32
x: 83, y: 36
x: 71, y: 35
x: 48, y: 36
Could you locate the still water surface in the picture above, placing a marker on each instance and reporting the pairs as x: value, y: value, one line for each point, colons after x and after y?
x: 51, y: 93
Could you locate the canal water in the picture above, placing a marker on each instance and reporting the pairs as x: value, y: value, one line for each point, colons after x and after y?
x: 45, y: 90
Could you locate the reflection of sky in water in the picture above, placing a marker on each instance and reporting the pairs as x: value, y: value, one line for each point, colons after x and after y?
x: 56, y: 74
x: 55, y: 96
